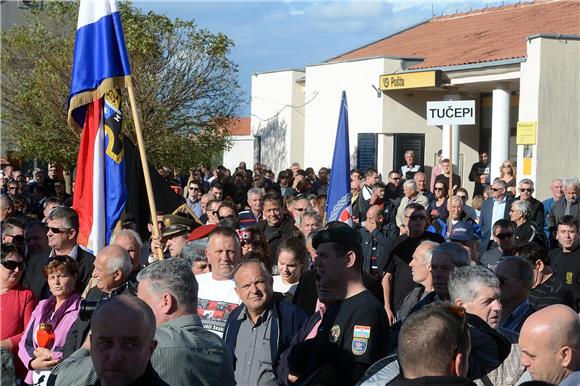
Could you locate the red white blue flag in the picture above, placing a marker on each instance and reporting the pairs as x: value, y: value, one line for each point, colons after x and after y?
x: 100, y: 68
x: 338, y: 206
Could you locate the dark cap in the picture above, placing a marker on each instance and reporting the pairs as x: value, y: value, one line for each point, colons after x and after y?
x: 462, y: 231
x: 177, y: 225
x: 336, y: 232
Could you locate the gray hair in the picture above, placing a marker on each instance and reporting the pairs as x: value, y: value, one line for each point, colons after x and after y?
x: 526, y: 181
x: 195, y: 251
x: 410, y: 184
x: 456, y: 199
x: 410, y: 152
x: 68, y: 215
x: 128, y: 233
x: 120, y: 261
x: 571, y: 182
x: 173, y: 276
x: 455, y: 250
x: 523, y: 269
x: 465, y: 282
x: 255, y: 192
x: 312, y: 214
x: 501, y: 183
x: 429, y: 251
x: 264, y: 271
x: 5, y: 201
x: 524, y: 206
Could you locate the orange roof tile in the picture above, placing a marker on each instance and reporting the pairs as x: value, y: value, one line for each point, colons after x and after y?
x: 477, y: 36
x: 240, y: 126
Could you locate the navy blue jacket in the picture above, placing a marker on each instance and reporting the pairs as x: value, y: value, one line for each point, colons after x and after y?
x: 287, y: 318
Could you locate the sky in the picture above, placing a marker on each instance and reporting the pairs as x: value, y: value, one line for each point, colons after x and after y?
x: 278, y: 35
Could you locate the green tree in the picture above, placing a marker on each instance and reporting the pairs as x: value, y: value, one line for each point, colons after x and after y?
x: 186, y: 86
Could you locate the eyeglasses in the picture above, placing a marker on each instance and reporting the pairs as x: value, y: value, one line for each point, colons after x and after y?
x: 61, y: 259
x: 529, y: 190
x: 438, y: 189
x: 12, y: 187
x: 506, y: 166
x: 11, y: 265
x: 224, y: 217
x: 59, y: 230
x: 506, y: 235
x: 496, y: 189
x: 194, y: 189
x: 462, y: 197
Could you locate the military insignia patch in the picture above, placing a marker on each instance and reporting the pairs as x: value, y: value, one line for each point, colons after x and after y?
x: 359, y: 346
x: 334, y: 333
x: 361, y: 332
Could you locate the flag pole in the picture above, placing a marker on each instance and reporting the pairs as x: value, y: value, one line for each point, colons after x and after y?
x: 139, y: 133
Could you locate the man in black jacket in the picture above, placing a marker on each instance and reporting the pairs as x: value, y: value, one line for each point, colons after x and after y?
x: 536, y: 216
x: 63, y: 231
x: 276, y: 225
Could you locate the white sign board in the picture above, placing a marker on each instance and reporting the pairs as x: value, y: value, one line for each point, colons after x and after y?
x: 451, y: 113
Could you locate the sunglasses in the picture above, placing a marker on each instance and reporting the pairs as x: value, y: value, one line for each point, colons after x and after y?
x: 438, y: 189
x: 462, y: 197
x: 395, y: 178
x: 529, y: 190
x: 59, y: 230
x: 496, y: 189
x: 194, y: 189
x: 506, y: 235
x: 61, y: 259
x: 16, y: 238
x: 11, y: 265
x: 224, y: 217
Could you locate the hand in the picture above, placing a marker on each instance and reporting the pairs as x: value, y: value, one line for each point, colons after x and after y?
x: 43, y: 359
x: 370, y: 224
x: 403, y: 230
x: 483, y: 178
x: 156, y: 243
x: 292, y: 378
x: 390, y: 315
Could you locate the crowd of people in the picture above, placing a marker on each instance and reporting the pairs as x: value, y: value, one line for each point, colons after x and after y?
x: 255, y: 287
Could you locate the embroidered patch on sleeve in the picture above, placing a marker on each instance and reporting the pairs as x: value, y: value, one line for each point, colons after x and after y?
x: 362, y: 332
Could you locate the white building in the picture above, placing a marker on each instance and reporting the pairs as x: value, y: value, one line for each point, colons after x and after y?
x: 520, y: 63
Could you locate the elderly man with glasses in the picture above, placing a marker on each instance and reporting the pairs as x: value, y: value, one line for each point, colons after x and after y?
x: 536, y: 211
x: 493, y: 209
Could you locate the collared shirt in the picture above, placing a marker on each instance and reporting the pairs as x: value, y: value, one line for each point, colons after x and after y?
x: 254, y: 358
x: 516, y: 318
x: 498, y: 211
x: 73, y: 252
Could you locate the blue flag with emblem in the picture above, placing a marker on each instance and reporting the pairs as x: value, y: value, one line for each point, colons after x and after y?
x: 338, y: 206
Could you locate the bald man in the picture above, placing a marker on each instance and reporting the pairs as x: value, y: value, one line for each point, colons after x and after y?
x: 374, y: 239
x: 550, y: 344
x: 122, y: 332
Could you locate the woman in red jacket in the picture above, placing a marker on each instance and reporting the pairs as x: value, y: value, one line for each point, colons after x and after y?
x: 16, y: 303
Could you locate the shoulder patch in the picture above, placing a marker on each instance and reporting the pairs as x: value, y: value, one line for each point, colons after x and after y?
x: 361, y: 332
x: 359, y: 346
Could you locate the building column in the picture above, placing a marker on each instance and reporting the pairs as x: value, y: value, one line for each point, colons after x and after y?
x: 500, y: 128
x: 454, y: 131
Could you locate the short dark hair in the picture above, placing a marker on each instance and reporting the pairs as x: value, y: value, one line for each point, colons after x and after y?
x: 533, y: 252
x: 272, y: 197
x: 428, y: 338
x: 502, y: 223
x: 217, y: 184
x: 568, y: 220
x: 415, y: 206
x: 370, y: 171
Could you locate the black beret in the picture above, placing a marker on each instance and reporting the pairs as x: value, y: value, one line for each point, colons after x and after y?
x: 336, y: 232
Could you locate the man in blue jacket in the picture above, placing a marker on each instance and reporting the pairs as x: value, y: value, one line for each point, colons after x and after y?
x: 260, y: 329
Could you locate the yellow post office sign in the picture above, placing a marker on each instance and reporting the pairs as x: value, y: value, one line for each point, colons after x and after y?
x: 526, y: 133
x: 410, y: 80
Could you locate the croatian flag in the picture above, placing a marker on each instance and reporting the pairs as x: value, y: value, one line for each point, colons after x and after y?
x: 100, y: 69
x: 338, y: 207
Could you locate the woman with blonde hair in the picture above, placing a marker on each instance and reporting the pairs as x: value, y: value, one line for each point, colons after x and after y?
x: 507, y: 172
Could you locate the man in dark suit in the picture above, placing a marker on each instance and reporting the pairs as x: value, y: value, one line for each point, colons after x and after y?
x: 63, y: 230
x: 493, y: 209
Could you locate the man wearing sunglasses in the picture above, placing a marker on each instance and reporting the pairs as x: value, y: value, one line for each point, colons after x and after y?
x: 13, y: 233
x: 63, y: 230
x: 493, y: 209
x: 536, y: 215
x: 503, y: 236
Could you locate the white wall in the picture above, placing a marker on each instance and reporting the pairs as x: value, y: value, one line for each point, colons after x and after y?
x: 242, y: 150
x: 277, y: 116
x: 365, y: 109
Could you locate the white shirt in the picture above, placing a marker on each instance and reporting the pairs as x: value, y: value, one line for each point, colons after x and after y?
x: 284, y: 288
x: 216, y: 300
x: 498, y: 211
